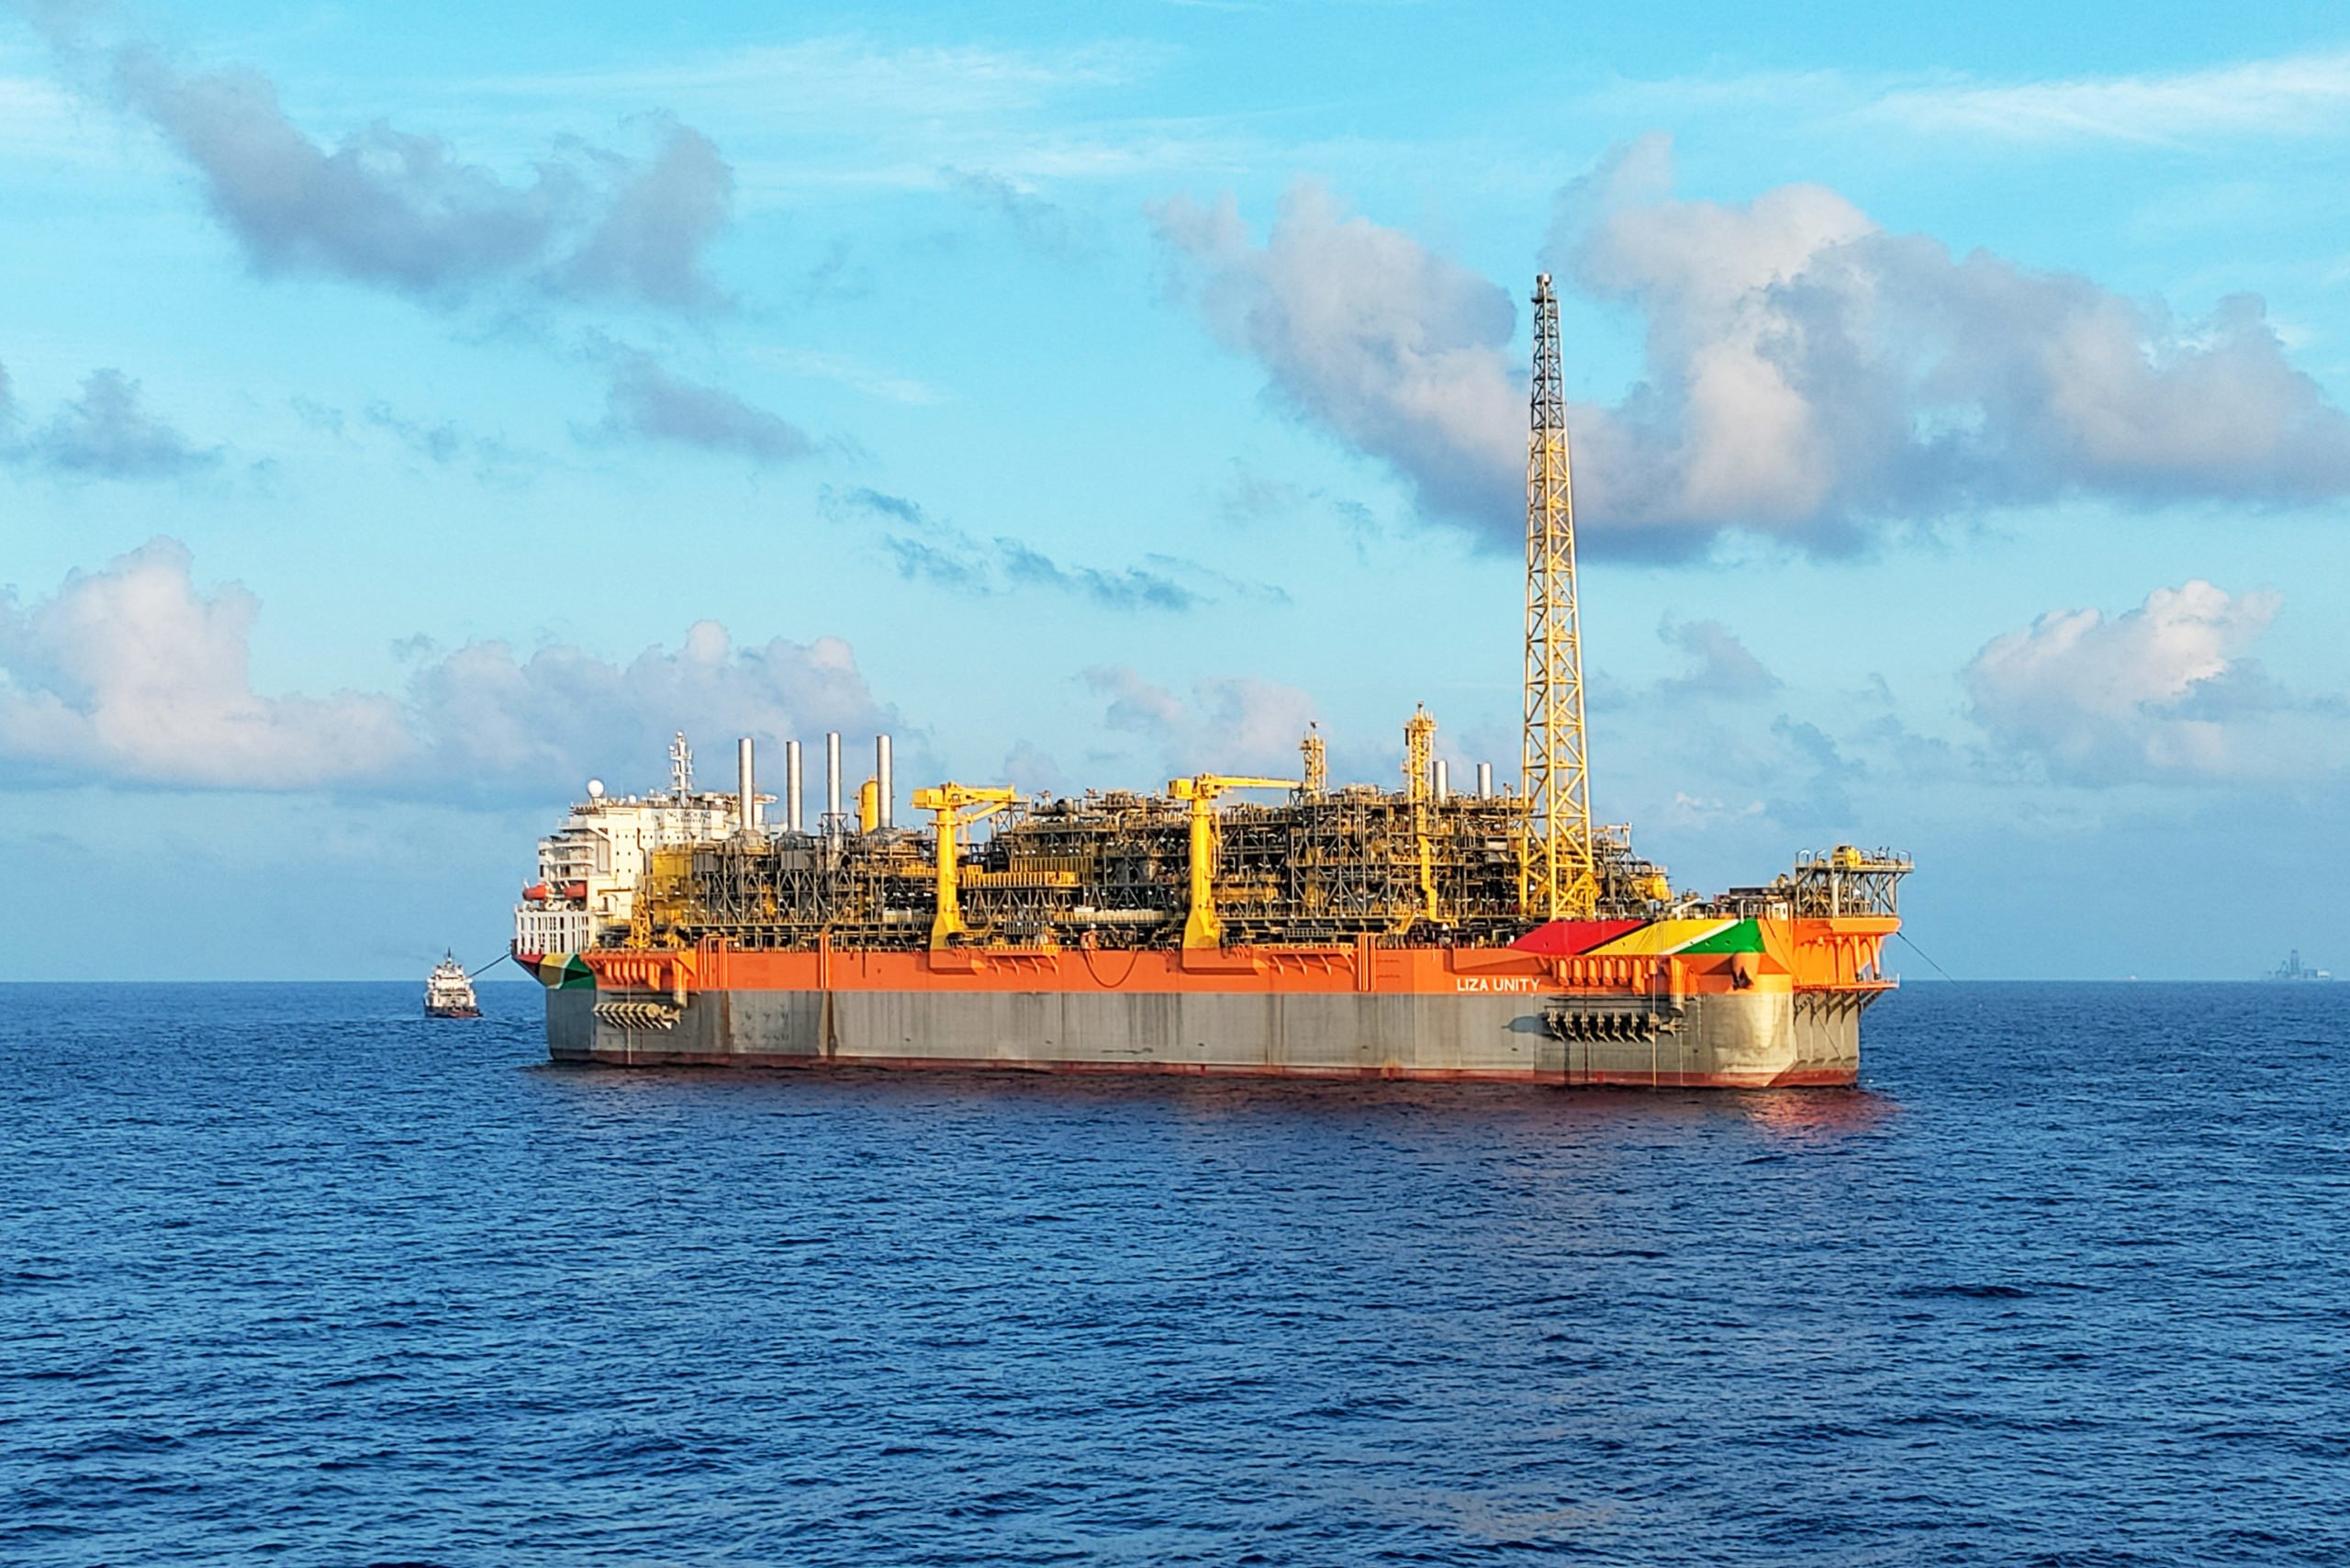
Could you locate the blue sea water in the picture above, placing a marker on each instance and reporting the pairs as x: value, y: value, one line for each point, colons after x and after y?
x: 288, y: 1270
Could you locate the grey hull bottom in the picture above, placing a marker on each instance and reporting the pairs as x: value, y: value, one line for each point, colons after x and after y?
x: 1749, y: 1040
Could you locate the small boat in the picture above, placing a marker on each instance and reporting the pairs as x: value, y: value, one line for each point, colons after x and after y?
x: 448, y: 993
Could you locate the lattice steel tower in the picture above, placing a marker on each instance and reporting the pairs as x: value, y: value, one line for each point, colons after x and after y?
x: 1556, y: 880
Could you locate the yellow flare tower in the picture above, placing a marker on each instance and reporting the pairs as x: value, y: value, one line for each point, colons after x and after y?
x: 1556, y: 880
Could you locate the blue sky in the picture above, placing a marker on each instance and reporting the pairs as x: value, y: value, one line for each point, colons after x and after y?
x: 405, y: 419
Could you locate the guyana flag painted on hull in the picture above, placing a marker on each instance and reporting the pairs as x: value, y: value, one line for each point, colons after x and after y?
x: 565, y: 971
x: 1653, y: 938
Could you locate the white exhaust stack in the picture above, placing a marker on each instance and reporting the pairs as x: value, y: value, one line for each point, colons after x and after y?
x: 1484, y: 782
x: 883, y: 789
x: 750, y: 804
x: 1440, y: 781
x: 791, y: 817
x: 831, y: 781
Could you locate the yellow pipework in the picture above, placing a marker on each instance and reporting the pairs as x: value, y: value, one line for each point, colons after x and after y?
x: 1427, y: 877
x: 951, y: 802
x: 1201, y: 927
x: 1419, y: 754
x: 1419, y: 750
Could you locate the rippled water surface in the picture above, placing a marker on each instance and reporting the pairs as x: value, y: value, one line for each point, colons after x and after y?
x: 286, y: 1269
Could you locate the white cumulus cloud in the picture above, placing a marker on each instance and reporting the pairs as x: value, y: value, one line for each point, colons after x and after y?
x: 2165, y: 691
x: 1808, y: 375
x: 129, y: 673
x: 136, y: 673
x: 1227, y: 724
x: 1397, y: 351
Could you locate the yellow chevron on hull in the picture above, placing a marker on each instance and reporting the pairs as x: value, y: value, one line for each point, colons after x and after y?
x: 1661, y: 936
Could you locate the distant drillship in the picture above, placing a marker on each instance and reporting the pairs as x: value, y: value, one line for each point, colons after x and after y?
x: 448, y: 993
x: 2290, y: 970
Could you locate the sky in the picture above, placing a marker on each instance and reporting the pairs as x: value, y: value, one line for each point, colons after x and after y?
x: 407, y: 415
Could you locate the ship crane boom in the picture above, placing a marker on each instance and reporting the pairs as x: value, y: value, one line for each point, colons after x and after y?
x: 958, y: 806
x: 1201, y: 927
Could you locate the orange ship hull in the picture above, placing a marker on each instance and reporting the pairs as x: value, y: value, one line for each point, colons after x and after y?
x: 1721, y: 1003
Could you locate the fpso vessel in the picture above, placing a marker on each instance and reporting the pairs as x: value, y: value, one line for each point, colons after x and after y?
x: 1347, y: 932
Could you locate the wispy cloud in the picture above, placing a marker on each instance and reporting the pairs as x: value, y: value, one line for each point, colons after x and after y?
x: 854, y: 374
x: 38, y: 122
x: 2287, y: 95
x: 821, y: 79
x: 1654, y: 98
x: 444, y: 442
x: 2291, y: 96
x: 825, y: 114
x: 929, y: 549
x: 406, y: 211
x: 1722, y: 665
x: 649, y: 402
x: 403, y: 211
x: 108, y: 433
x: 441, y: 441
x: 1042, y: 225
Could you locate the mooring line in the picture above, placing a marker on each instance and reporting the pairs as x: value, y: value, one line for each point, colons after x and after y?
x: 1928, y: 957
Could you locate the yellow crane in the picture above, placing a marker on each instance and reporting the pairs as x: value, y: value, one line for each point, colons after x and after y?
x: 1200, y: 927
x: 958, y: 806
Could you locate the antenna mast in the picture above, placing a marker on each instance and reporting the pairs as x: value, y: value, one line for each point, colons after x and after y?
x: 1556, y: 880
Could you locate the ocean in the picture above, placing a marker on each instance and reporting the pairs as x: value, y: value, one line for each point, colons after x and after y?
x: 290, y: 1271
